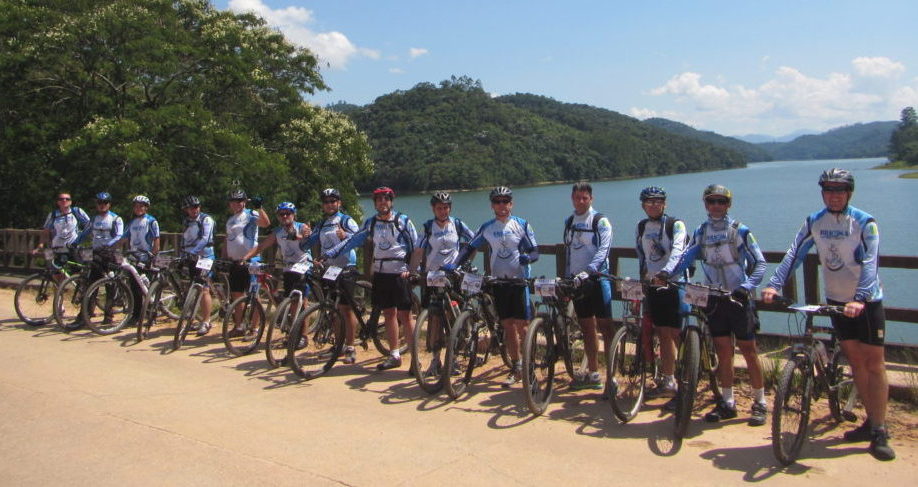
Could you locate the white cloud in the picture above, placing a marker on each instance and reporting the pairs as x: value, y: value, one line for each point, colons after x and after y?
x: 396, y: 70
x: 417, y: 52
x: 877, y: 67
x: 332, y: 47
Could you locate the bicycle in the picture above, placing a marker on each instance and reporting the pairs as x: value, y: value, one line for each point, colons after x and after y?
x: 476, y: 333
x: 113, y: 290
x: 37, y: 291
x: 162, y: 297
x: 243, y: 328
x: 194, y: 293
x: 812, y: 369
x: 432, y: 328
x: 286, y: 314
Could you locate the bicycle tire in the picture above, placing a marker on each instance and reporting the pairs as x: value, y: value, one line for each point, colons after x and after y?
x: 68, y: 301
x: 709, y: 359
x: 114, y: 299
x: 170, y: 302
x: 149, y: 311
x: 379, y: 335
x: 428, y: 350
x: 324, y: 333
x: 575, y: 359
x: 189, y: 310
x: 244, y: 337
x: 687, y: 365
x: 461, y: 354
x: 626, y: 373
x: 791, y: 414
x: 278, y: 330
x: 34, y: 299
x: 539, y: 358
x: 842, y: 392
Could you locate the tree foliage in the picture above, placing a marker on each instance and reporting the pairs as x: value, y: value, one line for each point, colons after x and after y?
x: 848, y: 142
x: 903, y: 144
x: 753, y: 152
x: 164, y: 98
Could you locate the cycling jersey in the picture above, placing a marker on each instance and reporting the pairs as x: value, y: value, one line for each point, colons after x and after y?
x: 106, y: 229
x: 658, y: 250
x: 325, y: 232
x: 587, y: 242
x: 441, y: 243
x: 198, y: 237
x: 65, y: 228
x: 393, y: 241
x: 293, y: 251
x: 141, y: 232
x: 508, y: 240
x: 727, y: 249
x: 847, y: 244
x: 241, y: 233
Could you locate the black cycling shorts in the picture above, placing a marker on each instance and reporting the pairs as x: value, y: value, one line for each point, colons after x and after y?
x: 511, y: 301
x: 596, y: 299
x: 727, y: 318
x: 664, y: 306
x: 391, y: 291
x: 239, y: 277
x: 868, y: 327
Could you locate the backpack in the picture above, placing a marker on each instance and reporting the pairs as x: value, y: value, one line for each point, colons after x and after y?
x: 668, y: 224
x: 428, y: 227
x: 401, y: 230
x: 341, y: 223
x: 732, y: 234
x: 568, y: 236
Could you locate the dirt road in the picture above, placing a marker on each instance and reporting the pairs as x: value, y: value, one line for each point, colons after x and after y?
x: 81, y: 409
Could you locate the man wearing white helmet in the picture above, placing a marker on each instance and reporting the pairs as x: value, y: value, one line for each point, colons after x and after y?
x: 141, y: 235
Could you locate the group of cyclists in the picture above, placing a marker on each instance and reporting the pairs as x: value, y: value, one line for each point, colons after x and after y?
x: 846, y: 241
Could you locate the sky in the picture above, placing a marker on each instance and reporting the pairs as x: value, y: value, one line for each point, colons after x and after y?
x: 734, y: 67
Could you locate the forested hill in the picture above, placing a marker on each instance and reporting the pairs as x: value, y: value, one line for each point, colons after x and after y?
x: 455, y: 135
x: 852, y: 141
x: 753, y: 152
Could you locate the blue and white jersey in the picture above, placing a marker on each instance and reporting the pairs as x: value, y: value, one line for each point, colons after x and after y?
x: 393, y: 242
x: 141, y: 232
x: 507, y: 240
x: 656, y: 250
x: 726, y: 249
x: 106, y: 229
x: 65, y: 228
x: 441, y: 242
x: 198, y: 237
x: 292, y: 251
x: 325, y: 232
x: 241, y: 233
x: 587, y: 250
x: 848, y: 246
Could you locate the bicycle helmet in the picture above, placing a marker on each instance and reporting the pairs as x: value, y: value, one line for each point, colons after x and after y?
x: 717, y: 190
x: 235, y: 195
x: 837, y: 175
x: 653, y: 192
x: 143, y: 200
x: 190, y: 201
x: 332, y: 193
x: 104, y: 197
x: 384, y: 191
x: 501, y: 191
x: 285, y: 206
x: 441, y: 197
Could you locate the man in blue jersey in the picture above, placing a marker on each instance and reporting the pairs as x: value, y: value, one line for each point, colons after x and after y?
x: 393, y: 237
x: 513, y: 248
x: 731, y: 259
x: 141, y: 235
x: 241, y: 237
x: 847, y: 242
x: 62, y: 227
x: 198, y: 242
x: 334, y: 227
x: 587, y: 239
x: 105, y: 229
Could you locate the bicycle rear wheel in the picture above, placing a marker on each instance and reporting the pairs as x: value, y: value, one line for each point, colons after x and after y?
x: 461, y: 353
x: 68, y: 299
x: 539, y: 357
x: 321, y: 328
x: 34, y: 299
x: 428, y: 350
x: 189, y: 310
x: 278, y: 330
x: 842, y: 392
x: 626, y: 373
x: 108, y: 305
x: 170, y: 298
x: 791, y: 410
x: 575, y: 359
x: 687, y: 381
x: 242, y: 336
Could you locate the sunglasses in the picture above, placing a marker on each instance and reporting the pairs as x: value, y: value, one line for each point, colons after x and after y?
x: 63, y: 199
x: 717, y: 201
x: 501, y: 201
x: 284, y: 213
x: 835, y: 189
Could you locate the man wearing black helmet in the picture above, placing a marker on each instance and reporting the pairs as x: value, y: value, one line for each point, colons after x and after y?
x: 106, y: 229
x: 198, y: 242
x: 847, y: 242
x: 731, y: 259
x: 241, y: 237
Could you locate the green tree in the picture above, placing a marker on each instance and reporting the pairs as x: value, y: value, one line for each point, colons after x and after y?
x: 903, y: 144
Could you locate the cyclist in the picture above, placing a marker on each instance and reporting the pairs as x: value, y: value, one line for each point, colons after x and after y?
x: 106, y: 229
x: 587, y: 239
x: 731, y: 259
x: 661, y: 240
x: 241, y: 237
x: 847, y: 242
x: 141, y: 235
x: 393, y: 237
x: 513, y: 248
x: 61, y: 228
x: 197, y: 242
x: 334, y: 227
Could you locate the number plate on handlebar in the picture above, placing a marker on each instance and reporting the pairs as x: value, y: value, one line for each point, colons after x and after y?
x: 204, y: 264
x: 300, y: 267
x: 631, y: 290
x: 545, y: 287
x: 808, y: 308
x: 437, y: 279
x: 471, y: 283
x: 696, y: 295
x: 332, y: 273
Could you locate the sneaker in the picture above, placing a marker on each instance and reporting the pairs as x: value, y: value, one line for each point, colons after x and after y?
x: 203, y: 329
x: 301, y: 343
x: 434, y: 369
x: 720, y: 412
x: 757, y: 417
x: 670, y: 406
x: 662, y: 390
x: 861, y: 433
x: 591, y: 380
x: 350, y: 356
x: 879, y: 445
x: 515, y: 375
x: 390, y: 363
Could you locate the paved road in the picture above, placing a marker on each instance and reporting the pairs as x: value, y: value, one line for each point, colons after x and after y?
x: 81, y: 409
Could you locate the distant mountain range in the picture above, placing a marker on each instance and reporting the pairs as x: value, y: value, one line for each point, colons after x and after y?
x: 759, y: 138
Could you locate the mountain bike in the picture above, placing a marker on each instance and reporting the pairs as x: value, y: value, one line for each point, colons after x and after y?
x: 432, y: 328
x: 287, y: 313
x: 163, y: 297
x: 111, y: 295
x: 34, y: 300
x: 246, y: 321
x: 201, y: 283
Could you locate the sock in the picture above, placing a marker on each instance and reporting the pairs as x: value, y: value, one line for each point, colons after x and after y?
x: 759, y: 395
x: 396, y: 354
x: 727, y: 392
x: 669, y: 380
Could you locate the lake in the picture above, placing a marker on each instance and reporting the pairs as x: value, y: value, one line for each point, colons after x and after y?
x: 772, y: 198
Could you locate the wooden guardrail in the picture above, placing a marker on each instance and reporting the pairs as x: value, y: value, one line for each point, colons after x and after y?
x: 15, y: 245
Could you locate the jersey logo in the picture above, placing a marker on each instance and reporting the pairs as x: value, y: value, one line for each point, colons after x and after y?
x: 834, y: 262
x: 834, y: 234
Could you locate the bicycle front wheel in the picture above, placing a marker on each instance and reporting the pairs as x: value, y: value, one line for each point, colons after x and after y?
x: 379, y: 337
x: 428, y: 350
x: 108, y: 305
x: 791, y: 410
x: 461, y: 353
x: 189, y: 310
x: 149, y: 311
x: 243, y: 334
x: 68, y: 298
x: 687, y: 366
x: 278, y: 330
x: 575, y: 359
x: 315, y: 342
x: 626, y: 373
x: 539, y: 359
x: 34, y: 299
x: 842, y: 392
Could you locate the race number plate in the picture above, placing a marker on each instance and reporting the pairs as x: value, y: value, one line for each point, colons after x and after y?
x: 545, y: 287
x: 696, y: 295
x: 300, y: 267
x: 471, y: 283
x: 632, y: 290
x: 436, y: 279
x: 204, y: 264
x: 332, y: 273
x: 254, y: 268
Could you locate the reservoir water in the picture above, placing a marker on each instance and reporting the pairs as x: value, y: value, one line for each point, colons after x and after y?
x: 772, y: 198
